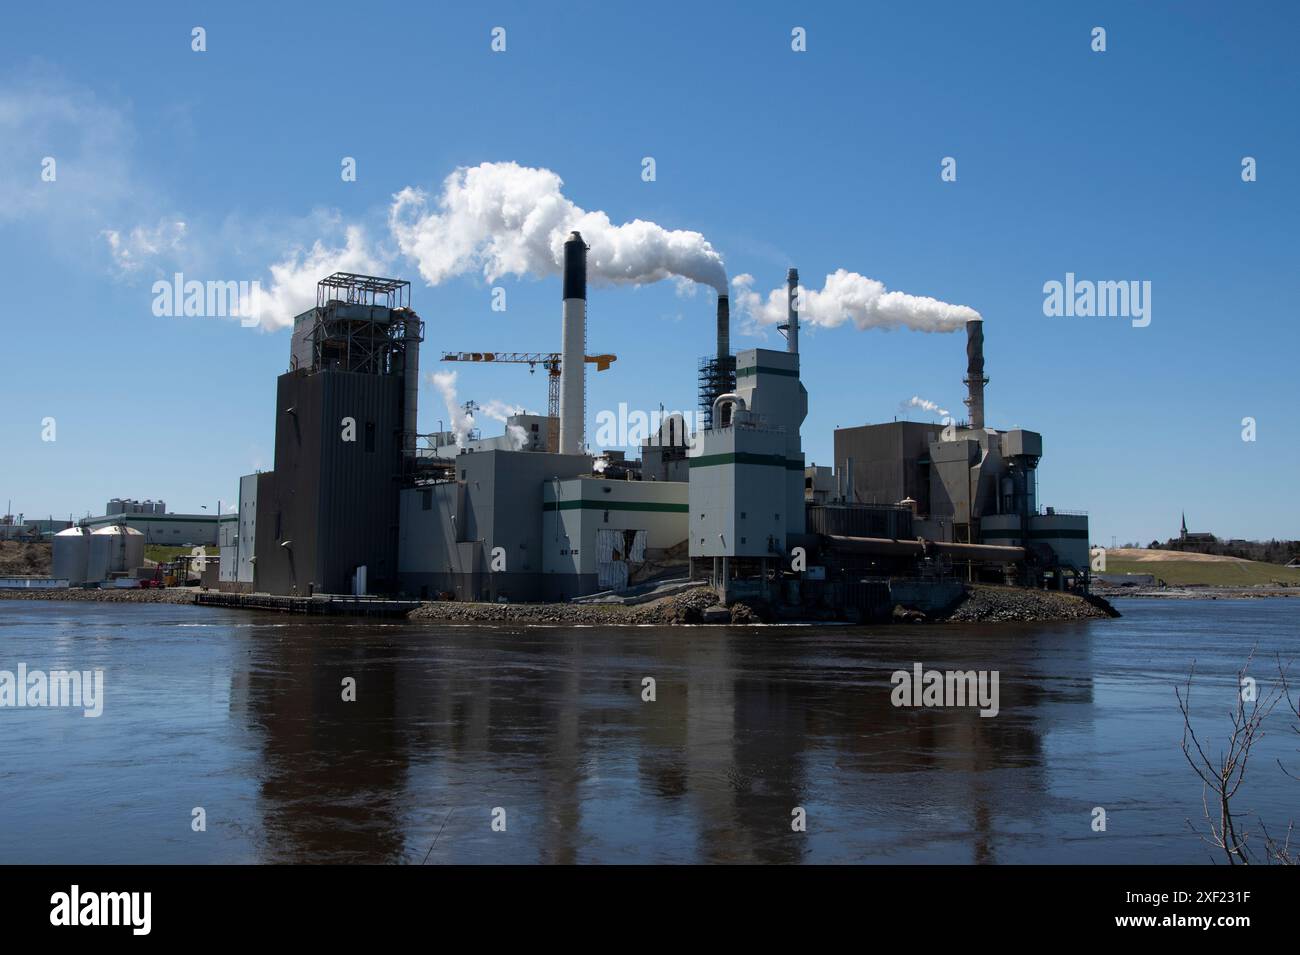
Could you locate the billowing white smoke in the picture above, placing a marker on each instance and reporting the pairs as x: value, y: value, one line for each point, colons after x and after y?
x: 293, y: 281
x: 916, y: 401
x: 848, y: 296
x: 506, y: 219
x: 461, y: 423
x: 500, y: 411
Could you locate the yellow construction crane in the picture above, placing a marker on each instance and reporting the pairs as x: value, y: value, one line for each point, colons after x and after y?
x: 548, y: 360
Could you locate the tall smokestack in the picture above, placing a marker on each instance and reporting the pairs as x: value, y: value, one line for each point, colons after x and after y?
x: 724, y: 331
x: 792, y: 311
x: 412, y: 335
x: 573, y: 367
x: 975, y: 380
x: 723, y: 381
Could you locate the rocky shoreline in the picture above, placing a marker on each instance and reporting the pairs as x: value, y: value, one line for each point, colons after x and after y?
x: 985, y: 604
x: 681, y: 608
x: 1201, y: 593
x: 981, y: 604
x: 174, y: 595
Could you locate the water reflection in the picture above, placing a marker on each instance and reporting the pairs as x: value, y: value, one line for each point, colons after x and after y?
x: 244, y: 714
x: 551, y: 726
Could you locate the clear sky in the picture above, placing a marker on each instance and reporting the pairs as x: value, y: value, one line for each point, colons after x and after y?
x: 1116, y: 165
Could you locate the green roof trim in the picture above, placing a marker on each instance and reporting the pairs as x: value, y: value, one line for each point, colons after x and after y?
x: 153, y: 518
x: 592, y: 504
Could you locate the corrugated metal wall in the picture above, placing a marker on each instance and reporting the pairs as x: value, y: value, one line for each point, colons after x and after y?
x: 334, y: 500
x: 861, y: 520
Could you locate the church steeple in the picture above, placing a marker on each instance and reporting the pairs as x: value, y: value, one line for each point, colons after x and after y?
x: 1184, y: 532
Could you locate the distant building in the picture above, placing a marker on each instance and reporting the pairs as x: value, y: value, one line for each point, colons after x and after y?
x: 1194, y: 542
x: 151, y: 519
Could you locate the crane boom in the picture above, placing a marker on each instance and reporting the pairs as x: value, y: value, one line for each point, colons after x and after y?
x: 548, y: 360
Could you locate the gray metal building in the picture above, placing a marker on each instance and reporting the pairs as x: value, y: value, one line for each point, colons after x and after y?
x: 450, y: 529
x: 345, y: 425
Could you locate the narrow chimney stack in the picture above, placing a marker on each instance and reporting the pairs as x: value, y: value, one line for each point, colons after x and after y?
x: 724, y: 331
x: 975, y: 380
x: 573, y: 366
x: 792, y: 311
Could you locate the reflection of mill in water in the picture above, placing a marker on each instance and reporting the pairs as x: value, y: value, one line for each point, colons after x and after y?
x: 550, y: 723
x: 332, y: 772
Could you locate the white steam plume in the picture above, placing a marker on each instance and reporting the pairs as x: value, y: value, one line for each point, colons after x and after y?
x: 499, y: 410
x: 849, y: 296
x: 916, y: 401
x: 293, y: 281
x: 461, y: 422
x: 506, y: 219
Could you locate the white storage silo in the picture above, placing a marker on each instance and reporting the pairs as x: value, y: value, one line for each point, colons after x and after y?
x: 114, y: 550
x: 71, y: 555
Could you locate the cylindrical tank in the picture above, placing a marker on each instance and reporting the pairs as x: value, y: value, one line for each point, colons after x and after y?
x: 114, y: 550
x: 71, y: 554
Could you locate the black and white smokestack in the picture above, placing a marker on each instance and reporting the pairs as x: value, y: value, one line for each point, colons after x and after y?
x: 573, y: 348
x: 975, y: 380
x: 575, y: 267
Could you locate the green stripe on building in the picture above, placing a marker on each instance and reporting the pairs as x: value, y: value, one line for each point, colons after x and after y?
x: 589, y: 504
x: 767, y: 370
x: 152, y: 518
x: 746, y: 457
x: 1065, y: 534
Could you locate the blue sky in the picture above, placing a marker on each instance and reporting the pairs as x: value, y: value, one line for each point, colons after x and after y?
x: 1117, y: 165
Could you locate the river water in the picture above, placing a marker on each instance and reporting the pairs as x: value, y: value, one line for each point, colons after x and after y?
x: 545, y: 732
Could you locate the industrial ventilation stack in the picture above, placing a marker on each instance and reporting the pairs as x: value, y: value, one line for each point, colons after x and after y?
x: 717, y: 372
x: 791, y: 326
x: 573, y: 366
x: 975, y: 379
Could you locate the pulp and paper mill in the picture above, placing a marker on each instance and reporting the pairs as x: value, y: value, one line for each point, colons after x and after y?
x: 359, y: 502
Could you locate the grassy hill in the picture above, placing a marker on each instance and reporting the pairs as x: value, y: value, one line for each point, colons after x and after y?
x: 1209, y: 573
